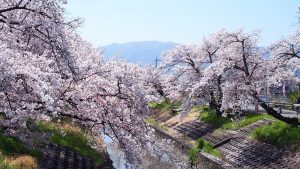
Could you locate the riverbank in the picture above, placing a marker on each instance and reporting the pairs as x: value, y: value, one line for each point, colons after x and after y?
x: 236, y: 144
x: 52, y: 144
x: 204, y: 160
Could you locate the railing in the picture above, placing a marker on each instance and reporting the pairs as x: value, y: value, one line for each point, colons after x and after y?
x: 288, y: 106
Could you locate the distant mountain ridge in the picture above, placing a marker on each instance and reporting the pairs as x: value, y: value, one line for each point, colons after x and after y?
x: 143, y: 52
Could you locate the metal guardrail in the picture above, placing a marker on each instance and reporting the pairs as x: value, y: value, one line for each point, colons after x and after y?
x: 288, y: 106
x: 297, y: 108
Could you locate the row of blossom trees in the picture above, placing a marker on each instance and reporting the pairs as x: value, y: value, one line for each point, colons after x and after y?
x: 228, y: 70
x: 48, y: 71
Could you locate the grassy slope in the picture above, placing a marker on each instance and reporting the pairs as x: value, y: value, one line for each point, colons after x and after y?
x: 165, y: 106
x: 72, y: 137
x: 249, y: 119
x: 15, y: 155
x: 153, y: 122
x: 201, y: 145
x: 279, y: 134
x: 209, y: 116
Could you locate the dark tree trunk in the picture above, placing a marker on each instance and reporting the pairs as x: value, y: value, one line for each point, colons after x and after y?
x: 3, y: 128
x: 160, y: 91
x: 214, y: 105
x: 174, y: 112
x: 220, y: 99
x: 218, y: 110
x: 290, y: 120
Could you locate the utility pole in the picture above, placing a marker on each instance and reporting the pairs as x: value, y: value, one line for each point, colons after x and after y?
x: 156, y: 62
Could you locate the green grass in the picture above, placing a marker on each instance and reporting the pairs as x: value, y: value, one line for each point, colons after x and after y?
x: 78, y: 143
x: 203, y: 146
x: 4, y: 164
x: 153, y: 122
x: 45, y: 126
x: 207, y: 147
x: 12, y: 146
x: 210, y: 116
x: 193, y: 154
x: 294, y: 96
x: 279, y: 134
x: 165, y: 106
x: 70, y: 136
x: 249, y: 119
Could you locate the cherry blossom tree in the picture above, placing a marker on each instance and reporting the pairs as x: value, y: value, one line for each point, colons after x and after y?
x: 154, y: 80
x: 187, y: 65
x: 48, y: 71
x: 38, y: 27
x: 245, y: 72
x: 35, y: 57
x: 28, y: 84
x: 228, y: 70
x: 183, y: 65
x: 210, y: 89
x: 110, y: 97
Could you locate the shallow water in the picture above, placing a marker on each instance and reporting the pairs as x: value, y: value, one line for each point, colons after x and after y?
x: 148, y: 161
x: 116, y: 155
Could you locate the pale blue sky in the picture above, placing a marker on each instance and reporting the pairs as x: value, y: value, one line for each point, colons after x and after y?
x: 181, y: 21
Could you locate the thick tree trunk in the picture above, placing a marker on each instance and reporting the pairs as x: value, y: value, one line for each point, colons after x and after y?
x: 218, y: 110
x: 220, y: 99
x: 160, y: 91
x: 3, y: 128
x: 214, y: 105
x: 290, y: 120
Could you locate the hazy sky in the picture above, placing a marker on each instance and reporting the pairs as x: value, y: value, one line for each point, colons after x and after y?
x: 181, y: 21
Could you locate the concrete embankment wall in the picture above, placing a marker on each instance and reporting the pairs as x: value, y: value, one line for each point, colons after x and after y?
x: 205, y: 161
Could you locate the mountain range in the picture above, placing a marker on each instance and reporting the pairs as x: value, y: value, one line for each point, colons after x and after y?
x: 142, y: 52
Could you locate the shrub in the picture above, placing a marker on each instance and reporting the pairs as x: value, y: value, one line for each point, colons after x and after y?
x: 204, y: 146
x: 193, y: 153
x: 201, y: 143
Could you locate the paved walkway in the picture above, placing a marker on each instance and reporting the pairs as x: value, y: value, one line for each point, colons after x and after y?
x: 285, y: 112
